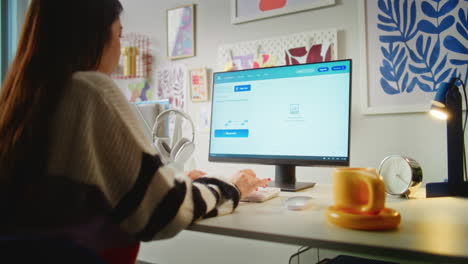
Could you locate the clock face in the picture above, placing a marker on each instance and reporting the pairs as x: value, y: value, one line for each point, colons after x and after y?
x: 397, y: 174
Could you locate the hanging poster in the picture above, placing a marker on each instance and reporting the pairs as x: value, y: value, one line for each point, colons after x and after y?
x: 414, y: 47
x: 171, y: 83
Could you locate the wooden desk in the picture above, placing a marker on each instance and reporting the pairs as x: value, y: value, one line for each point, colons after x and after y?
x: 432, y: 230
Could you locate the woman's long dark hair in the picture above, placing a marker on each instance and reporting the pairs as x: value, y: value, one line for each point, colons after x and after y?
x: 59, y: 37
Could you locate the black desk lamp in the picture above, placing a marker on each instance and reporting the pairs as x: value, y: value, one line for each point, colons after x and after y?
x: 447, y: 105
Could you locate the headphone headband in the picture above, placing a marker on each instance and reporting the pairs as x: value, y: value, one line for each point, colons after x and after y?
x: 166, y: 113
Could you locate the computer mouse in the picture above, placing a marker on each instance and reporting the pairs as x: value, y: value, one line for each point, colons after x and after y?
x: 298, y: 202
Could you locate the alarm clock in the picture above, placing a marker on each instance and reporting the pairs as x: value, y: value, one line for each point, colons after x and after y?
x: 401, y: 175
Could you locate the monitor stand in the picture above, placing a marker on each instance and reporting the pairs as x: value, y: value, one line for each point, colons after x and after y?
x: 285, y: 178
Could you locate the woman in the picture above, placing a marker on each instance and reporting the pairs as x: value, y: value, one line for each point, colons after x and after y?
x: 73, y: 160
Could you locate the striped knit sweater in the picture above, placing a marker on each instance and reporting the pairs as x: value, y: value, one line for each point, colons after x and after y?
x: 106, y: 186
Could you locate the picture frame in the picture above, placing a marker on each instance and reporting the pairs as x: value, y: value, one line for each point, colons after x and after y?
x: 247, y: 10
x: 172, y: 83
x: 199, y: 85
x: 402, y: 73
x: 181, y: 32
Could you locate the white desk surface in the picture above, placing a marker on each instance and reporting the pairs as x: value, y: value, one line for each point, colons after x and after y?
x: 434, y: 230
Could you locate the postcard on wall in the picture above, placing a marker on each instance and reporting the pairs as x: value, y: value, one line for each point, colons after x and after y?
x: 199, y: 84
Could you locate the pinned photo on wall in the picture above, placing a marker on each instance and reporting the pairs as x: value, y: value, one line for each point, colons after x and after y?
x: 298, y: 48
x: 136, y: 89
x: 301, y: 55
x: 199, y: 85
x: 263, y: 59
x: 140, y: 91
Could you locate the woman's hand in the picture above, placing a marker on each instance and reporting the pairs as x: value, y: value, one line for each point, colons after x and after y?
x: 195, y: 174
x: 247, y: 182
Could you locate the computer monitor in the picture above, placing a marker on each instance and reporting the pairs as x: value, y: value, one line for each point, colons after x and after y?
x: 287, y: 116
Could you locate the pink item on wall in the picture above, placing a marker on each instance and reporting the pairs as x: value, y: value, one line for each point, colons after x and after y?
x: 300, y: 55
x: 264, y: 60
x: 266, y: 5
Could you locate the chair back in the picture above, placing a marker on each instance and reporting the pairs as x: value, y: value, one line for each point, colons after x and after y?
x: 45, y: 250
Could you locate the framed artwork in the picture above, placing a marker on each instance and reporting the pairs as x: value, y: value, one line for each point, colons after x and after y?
x: 181, y: 32
x: 199, y: 84
x: 411, y: 48
x: 248, y: 10
x: 172, y: 84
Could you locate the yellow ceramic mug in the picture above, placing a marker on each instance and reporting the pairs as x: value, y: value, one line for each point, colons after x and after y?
x: 358, y: 190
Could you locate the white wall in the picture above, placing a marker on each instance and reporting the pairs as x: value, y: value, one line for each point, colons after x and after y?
x: 373, y: 136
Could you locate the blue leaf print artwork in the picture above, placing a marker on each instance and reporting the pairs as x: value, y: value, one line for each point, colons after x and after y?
x: 455, y: 45
x: 423, y: 43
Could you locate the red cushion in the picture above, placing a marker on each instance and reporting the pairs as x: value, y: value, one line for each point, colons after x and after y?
x: 124, y: 255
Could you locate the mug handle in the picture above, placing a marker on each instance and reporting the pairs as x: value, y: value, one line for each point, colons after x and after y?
x: 374, y: 185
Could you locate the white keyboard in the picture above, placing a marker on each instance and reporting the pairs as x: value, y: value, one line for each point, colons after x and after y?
x: 262, y: 194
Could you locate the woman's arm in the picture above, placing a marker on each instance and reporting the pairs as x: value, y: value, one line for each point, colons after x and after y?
x: 148, y: 200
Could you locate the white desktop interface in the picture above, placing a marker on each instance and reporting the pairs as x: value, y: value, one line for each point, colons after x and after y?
x: 299, y: 112
x: 262, y: 113
x: 294, y: 115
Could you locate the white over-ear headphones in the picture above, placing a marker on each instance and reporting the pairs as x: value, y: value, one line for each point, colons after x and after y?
x: 181, y: 149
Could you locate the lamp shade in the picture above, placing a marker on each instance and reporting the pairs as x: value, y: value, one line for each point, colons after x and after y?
x: 442, y: 92
x: 438, y: 109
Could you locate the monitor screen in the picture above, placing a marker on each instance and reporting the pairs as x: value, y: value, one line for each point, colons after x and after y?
x: 285, y: 116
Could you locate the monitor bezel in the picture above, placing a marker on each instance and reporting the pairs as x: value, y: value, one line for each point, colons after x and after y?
x: 292, y: 160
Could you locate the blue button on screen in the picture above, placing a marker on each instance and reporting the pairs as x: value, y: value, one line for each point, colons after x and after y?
x: 339, y: 68
x: 242, y: 88
x: 232, y: 133
x: 322, y: 69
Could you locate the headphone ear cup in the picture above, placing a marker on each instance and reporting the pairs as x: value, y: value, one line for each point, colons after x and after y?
x: 163, y: 148
x: 182, y: 150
